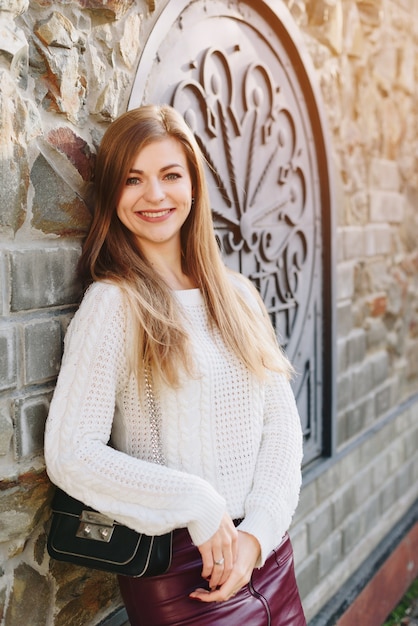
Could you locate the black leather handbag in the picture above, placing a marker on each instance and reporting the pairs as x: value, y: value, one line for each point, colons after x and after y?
x: 78, y: 534
x: 82, y: 536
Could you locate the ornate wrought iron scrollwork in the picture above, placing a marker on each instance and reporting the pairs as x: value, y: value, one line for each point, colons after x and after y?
x: 250, y: 141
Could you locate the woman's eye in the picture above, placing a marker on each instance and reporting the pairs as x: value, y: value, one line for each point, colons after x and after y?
x: 132, y: 181
x: 173, y: 176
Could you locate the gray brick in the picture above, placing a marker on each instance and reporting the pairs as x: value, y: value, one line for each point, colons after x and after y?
x: 328, y: 483
x: 411, y: 442
x: 344, y: 317
x: 360, y: 416
x: 380, y: 471
x: 299, y: 537
x: 372, y: 513
x: 343, y: 505
x: 344, y: 389
x: 362, y: 380
x: 307, y: 502
x: 8, y: 360
x: 388, y: 494
x: 341, y: 428
x: 44, y: 277
x: 380, y: 366
x: 352, y: 531
x: 404, y: 480
x: 320, y: 526
x: 307, y: 575
x: 6, y: 428
x: 356, y: 346
x: 383, y: 400
x: 363, y: 486
x: 396, y: 456
x: 30, y: 417
x: 330, y: 554
x: 342, y: 357
x: 4, y: 283
x: 43, y: 347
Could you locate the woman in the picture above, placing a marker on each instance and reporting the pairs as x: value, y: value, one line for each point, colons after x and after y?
x: 160, y: 300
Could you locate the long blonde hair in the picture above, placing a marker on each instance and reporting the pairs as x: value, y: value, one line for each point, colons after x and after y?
x: 110, y: 253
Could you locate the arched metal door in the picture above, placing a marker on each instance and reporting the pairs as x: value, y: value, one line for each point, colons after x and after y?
x: 235, y: 71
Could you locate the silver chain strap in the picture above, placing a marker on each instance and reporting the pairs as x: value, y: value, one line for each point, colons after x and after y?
x: 155, y: 420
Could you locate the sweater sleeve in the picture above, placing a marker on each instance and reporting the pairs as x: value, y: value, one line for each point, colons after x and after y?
x: 274, y: 496
x: 147, y: 497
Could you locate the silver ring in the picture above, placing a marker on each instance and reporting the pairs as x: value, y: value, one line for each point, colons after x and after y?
x: 220, y: 562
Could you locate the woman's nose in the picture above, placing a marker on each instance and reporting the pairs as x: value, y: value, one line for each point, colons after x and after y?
x: 154, y: 191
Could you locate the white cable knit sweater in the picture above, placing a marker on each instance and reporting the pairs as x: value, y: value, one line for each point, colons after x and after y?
x: 230, y: 442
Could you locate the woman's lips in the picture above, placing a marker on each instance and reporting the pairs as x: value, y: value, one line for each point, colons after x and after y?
x: 153, y: 215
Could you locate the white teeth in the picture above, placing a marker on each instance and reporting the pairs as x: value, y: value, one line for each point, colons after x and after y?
x: 155, y: 213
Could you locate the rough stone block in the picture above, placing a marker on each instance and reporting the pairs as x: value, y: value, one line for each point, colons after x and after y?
x: 28, y: 585
x: 377, y: 239
x: 8, y: 360
x: 384, y: 175
x: 44, y: 277
x: 360, y: 416
x: 339, y: 248
x: 353, y: 241
x: 30, y: 416
x: 376, y: 332
x: 387, y: 206
x: 43, y: 349
x: 344, y: 317
x: 345, y: 280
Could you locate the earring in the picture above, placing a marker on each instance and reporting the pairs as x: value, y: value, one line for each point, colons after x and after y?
x: 192, y: 201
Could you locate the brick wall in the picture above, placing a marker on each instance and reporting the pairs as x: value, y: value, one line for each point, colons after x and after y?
x: 66, y: 70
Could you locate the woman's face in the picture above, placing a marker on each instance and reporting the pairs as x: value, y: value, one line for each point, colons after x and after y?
x: 157, y: 195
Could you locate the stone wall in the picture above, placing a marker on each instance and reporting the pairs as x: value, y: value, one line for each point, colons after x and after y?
x: 66, y: 70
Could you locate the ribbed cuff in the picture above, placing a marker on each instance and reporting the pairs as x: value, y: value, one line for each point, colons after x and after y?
x: 264, y: 528
x: 211, y: 508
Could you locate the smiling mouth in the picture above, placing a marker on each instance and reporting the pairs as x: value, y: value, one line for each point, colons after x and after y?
x: 155, y: 214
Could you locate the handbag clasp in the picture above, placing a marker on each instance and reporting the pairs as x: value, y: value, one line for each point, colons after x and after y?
x: 95, y: 526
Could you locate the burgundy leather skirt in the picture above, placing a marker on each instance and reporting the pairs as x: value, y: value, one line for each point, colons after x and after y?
x: 271, y: 597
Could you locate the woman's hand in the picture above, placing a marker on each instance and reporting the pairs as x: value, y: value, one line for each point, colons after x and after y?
x: 226, y: 583
x: 219, y: 553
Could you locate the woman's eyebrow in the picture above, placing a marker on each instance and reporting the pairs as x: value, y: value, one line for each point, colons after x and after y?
x: 163, y: 169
